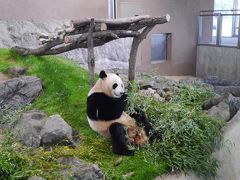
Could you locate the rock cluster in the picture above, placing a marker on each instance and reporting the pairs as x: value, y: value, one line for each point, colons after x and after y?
x: 80, y: 170
x: 36, y: 129
x: 76, y: 169
x: 226, y: 102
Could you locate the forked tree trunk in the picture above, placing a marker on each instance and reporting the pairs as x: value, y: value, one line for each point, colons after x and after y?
x: 133, y: 53
x: 91, y: 58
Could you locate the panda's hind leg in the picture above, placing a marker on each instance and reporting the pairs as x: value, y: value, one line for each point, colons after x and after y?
x: 141, y: 118
x: 119, y: 140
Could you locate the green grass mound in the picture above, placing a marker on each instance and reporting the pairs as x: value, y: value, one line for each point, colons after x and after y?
x: 189, y: 136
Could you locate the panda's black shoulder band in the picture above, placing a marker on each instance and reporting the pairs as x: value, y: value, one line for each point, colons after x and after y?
x: 102, y: 107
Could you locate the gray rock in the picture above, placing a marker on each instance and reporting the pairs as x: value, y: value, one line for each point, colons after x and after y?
x: 80, y: 170
x: 234, y: 104
x: 155, y: 82
x: 29, y: 127
x: 223, y: 90
x: 35, y: 129
x: 17, y: 92
x: 36, y: 178
x: 220, y: 111
x: 216, y: 81
x: 229, y: 154
x: 16, y: 71
x: 151, y: 93
x: 212, y: 102
x: 56, y: 132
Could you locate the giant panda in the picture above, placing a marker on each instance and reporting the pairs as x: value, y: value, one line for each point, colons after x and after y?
x: 105, y: 113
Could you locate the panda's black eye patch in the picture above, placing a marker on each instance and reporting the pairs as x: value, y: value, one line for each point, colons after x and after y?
x: 115, y: 85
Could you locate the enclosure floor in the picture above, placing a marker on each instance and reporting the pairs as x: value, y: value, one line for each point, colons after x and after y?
x: 178, y: 78
x: 3, y: 77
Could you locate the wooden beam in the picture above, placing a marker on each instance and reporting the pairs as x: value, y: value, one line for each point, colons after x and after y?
x: 133, y: 53
x: 115, y: 34
x: 78, y: 24
x: 91, y: 58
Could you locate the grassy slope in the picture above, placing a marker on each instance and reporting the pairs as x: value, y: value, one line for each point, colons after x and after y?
x: 65, y: 92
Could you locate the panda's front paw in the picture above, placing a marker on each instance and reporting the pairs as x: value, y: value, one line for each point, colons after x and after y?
x: 124, y: 96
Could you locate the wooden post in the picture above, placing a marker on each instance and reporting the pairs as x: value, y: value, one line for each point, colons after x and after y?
x: 133, y: 53
x: 91, y: 58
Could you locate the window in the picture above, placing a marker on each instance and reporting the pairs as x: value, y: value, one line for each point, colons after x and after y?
x: 230, y: 23
x: 159, y: 47
x: 220, y: 27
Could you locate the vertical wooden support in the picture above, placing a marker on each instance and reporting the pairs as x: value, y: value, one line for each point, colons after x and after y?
x: 239, y: 32
x: 133, y: 53
x: 91, y: 58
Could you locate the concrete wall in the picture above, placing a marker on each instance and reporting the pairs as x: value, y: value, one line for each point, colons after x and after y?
x: 183, y: 26
x: 52, y: 9
x: 218, y: 61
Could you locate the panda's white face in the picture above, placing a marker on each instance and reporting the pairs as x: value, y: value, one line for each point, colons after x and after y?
x: 113, y: 85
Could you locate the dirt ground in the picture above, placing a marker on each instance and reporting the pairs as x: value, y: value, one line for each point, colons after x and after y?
x: 3, y: 77
x: 177, y: 78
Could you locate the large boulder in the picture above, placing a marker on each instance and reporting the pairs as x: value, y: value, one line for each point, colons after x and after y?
x: 220, y: 111
x: 212, y: 102
x: 234, y: 104
x: 229, y: 154
x: 56, y: 132
x: 17, y: 92
x: 223, y: 90
x: 80, y: 170
x: 29, y: 127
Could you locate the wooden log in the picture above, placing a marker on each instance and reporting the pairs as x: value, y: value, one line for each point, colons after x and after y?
x: 115, y: 34
x: 83, y: 37
x: 74, y: 44
x: 60, y: 48
x: 133, y: 53
x: 109, y: 22
x: 91, y: 58
x: 132, y: 23
x: 149, y: 22
x: 38, y: 51
x: 84, y: 29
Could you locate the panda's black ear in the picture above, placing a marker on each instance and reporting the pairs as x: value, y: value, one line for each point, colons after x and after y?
x: 117, y: 74
x: 102, y: 74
